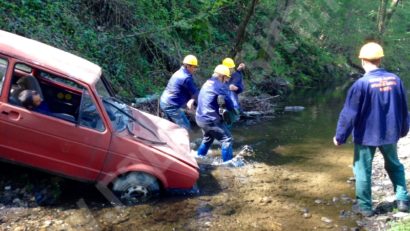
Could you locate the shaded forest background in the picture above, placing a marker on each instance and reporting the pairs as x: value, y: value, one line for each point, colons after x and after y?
x: 139, y: 44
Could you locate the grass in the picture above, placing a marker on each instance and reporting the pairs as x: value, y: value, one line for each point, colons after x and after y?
x: 400, y: 225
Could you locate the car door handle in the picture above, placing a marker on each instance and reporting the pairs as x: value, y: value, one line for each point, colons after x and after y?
x: 12, y: 114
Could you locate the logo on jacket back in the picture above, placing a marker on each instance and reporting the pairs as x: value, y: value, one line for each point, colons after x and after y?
x: 383, y: 83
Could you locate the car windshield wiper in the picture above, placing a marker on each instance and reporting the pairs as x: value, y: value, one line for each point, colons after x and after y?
x: 128, y: 115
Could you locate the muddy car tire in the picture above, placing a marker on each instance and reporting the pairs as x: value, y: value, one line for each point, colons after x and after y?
x: 136, y: 188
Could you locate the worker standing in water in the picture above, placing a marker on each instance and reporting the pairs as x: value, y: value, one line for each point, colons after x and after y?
x: 208, y: 117
x: 235, y: 86
x: 181, y: 91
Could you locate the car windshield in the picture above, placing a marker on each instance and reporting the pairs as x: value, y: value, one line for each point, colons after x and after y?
x: 119, y: 113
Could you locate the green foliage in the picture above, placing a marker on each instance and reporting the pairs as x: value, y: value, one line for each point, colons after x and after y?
x: 399, y: 226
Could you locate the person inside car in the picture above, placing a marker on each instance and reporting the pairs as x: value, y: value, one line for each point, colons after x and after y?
x: 32, y: 100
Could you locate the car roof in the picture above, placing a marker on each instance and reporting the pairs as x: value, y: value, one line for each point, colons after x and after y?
x: 32, y: 51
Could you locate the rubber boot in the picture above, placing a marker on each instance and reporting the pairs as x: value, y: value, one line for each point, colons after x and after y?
x: 227, y: 153
x: 203, y: 149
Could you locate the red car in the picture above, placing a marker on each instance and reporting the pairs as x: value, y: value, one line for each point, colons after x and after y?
x: 80, y: 130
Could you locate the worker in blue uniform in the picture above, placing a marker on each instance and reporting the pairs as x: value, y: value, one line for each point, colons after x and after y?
x: 180, y: 92
x: 235, y: 86
x: 376, y: 111
x: 208, y: 115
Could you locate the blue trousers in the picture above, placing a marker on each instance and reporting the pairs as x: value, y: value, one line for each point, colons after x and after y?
x: 362, y: 167
x: 176, y: 115
x: 219, y: 131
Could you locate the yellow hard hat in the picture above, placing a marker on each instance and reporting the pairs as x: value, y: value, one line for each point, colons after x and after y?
x: 371, y: 51
x: 222, y: 70
x: 190, y: 60
x: 228, y: 62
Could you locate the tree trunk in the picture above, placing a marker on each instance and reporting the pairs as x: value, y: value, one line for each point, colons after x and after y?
x: 277, y: 24
x: 381, y: 16
x: 240, y: 36
x: 390, y: 11
x: 384, y: 15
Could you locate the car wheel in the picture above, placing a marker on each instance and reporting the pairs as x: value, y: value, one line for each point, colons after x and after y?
x: 136, y: 187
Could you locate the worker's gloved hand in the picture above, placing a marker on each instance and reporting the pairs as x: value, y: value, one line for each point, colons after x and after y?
x: 228, y: 116
x: 191, y: 104
x: 221, y: 102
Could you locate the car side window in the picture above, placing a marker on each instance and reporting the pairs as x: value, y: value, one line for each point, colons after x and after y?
x: 89, y: 115
x: 3, y: 69
x: 47, y: 93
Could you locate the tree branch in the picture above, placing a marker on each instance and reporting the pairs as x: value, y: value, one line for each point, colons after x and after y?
x: 242, y: 29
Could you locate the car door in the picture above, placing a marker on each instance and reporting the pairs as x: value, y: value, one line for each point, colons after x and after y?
x: 54, y: 144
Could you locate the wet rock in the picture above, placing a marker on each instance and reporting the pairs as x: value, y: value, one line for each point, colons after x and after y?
x: 344, y: 228
x: 16, y: 201
x: 345, y: 198
x: 246, y: 150
x: 228, y: 211
x: 205, y: 198
x: 47, y: 223
x: 205, y: 208
x: 307, y: 215
x: 265, y: 200
x: 20, y: 228
x: 343, y: 214
x: 319, y: 201
x: 304, y: 210
x: 383, y: 218
x: 294, y: 108
x: 7, y: 188
x: 78, y: 219
x: 361, y: 223
x: 326, y: 220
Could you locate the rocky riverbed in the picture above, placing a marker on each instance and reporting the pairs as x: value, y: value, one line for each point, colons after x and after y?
x: 257, y: 196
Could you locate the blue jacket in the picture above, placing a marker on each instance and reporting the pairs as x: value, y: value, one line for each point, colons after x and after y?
x: 208, y: 108
x: 236, y: 80
x: 375, y: 109
x: 180, y: 88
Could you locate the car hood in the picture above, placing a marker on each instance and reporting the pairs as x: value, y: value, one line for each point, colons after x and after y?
x: 163, y: 135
